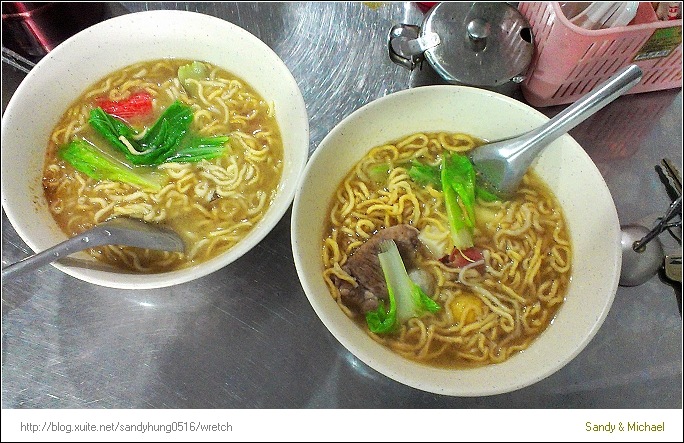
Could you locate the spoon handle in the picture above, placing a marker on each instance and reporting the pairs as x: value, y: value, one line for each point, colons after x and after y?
x: 501, y: 165
x: 588, y: 105
x: 89, y: 239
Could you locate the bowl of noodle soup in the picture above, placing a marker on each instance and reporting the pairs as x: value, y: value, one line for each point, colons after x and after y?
x: 229, y: 108
x: 547, y: 263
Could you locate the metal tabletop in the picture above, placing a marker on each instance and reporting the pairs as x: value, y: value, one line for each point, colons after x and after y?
x: 246, y: 335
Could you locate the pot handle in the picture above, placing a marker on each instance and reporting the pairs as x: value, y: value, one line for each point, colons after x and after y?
x: 406, y: 46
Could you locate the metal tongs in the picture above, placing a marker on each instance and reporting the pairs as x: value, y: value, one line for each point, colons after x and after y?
x: 672, y: 180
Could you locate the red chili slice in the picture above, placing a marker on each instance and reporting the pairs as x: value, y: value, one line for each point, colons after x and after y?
x: 137, y: 105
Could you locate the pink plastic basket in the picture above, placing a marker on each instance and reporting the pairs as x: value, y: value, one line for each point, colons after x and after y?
x: 570, y: 61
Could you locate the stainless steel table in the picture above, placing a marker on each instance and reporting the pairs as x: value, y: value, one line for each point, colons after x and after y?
x: 246, y: 336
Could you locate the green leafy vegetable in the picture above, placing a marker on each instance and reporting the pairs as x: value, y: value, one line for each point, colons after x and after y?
x: 425, y: 174
x: 162, y: 142
x: 458, y: 187
x: 485, y: 195
x: 190, y: 74
x: 111, y: 128
x: 382, y: 321
x: 194, y: 149
x: 379, y: 173
x: 406, y: 298
x: 93, y: 162
x: 165, y: 134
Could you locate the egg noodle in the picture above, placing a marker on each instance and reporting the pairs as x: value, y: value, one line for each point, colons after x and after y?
x: 491, y: 309
x: 212, y: 204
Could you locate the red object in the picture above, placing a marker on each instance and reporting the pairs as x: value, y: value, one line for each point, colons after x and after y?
x: 137, y: 105
x: 425, y: 6
x: 36, y: 28
x: 460, y: 258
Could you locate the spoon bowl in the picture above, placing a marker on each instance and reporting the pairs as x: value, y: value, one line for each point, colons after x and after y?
x: 121, y: 231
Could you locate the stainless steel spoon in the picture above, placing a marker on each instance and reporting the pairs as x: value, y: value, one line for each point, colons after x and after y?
x: 122, y: 231
x: 500, y: 166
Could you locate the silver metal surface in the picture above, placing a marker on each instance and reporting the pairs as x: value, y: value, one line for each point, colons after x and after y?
x: 492, y: 57
x: 501, y: 165
x: 639, y: 264
x: 673, y: 267
x: 674, y: 178
x: 246, y: 336
x: 467, y: 43
x: 397, y: 41
x: 674, y: 210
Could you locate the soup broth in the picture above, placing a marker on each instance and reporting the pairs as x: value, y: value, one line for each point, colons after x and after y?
x: 211, y: 203
x: 491, y: 306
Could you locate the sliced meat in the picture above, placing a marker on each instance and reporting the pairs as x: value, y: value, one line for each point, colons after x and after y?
x: 364, y: 266
x: 460, y: 258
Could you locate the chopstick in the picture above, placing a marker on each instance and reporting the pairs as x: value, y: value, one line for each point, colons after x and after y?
x: 13, y: 59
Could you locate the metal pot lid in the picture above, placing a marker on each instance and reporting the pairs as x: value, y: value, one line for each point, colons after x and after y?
x: 480, y: 44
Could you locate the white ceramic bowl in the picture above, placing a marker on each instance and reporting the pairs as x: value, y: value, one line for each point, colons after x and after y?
x: 61, y: 76
x: 564, y: 165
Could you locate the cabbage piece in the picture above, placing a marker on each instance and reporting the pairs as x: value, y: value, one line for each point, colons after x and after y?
x: 189, y: 76
x: 424, y: 174
x: 456, y: 178
x: 458, y: 186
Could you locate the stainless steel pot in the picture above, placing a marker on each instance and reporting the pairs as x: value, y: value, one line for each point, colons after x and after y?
x: 486, y: 45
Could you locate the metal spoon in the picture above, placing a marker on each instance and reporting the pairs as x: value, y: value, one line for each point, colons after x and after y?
x: 116, y: 231
x: 500, y: 166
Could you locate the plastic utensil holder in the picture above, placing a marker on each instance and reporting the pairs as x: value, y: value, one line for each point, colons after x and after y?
x: 570, y: 61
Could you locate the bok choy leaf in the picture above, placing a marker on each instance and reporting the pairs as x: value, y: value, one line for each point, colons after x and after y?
x: 406, y: 298
x: 425, y: 174
x: 458, y: 186
x: 163, y: 142
x: 94, y: 163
